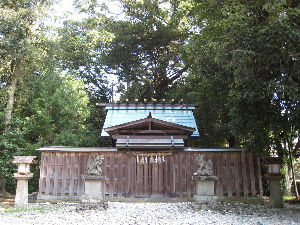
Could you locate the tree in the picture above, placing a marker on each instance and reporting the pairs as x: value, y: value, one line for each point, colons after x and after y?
x: 255, y: 45
x: 148, y: 46
x: 57, y: 111
x: 19, y: 23
x: 19, y: 38
x: 80, y: 44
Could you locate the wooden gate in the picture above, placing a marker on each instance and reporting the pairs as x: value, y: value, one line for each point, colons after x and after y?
x: 151, y: 177
x: 136, y: 175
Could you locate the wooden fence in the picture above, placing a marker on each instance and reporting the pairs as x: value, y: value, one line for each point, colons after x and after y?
x: 145, y: 174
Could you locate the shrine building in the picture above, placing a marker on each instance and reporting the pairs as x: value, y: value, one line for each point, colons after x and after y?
x: 150, y: 158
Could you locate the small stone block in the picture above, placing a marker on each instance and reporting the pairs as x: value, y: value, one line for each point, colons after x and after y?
x: 92, y: 206
x: 205, y: 187
x: 209, y: 201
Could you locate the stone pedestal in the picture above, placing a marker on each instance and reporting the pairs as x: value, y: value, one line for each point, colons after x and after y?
x: 93, y: 197
x: 276, y: 199
x: 205, y: 191
x: 21, y: 199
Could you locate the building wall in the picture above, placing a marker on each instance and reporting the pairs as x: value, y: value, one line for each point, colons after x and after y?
x: 127, y: 175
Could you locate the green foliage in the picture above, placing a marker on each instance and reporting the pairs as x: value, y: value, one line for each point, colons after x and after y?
x: 148, y: 47
x: 10, y: 145
x: 58, y: 110
x: 246, y: 73
x: 80, y: 46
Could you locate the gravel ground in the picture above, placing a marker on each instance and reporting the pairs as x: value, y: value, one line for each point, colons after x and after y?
x: 151, y: 213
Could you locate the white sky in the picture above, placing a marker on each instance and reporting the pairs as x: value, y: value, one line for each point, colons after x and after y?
x: 65, y: 7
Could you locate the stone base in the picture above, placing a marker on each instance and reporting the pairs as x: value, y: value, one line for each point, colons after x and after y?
x: 206, y: 202
x: 21, y: 199
x: 94, y: 188
x: 205, y: 185
x: 92, y: 206
x: 276, y: 199
x: 93, y: 199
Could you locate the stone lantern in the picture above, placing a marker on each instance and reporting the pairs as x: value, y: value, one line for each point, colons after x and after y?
x: 22, y: 177
x: 274, y: 176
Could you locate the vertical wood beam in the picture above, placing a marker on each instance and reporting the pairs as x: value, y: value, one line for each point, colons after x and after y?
x: 244, y: 174
x: 252, y: 178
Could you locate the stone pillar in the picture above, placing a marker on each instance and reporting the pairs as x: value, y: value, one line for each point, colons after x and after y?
x: 93, y: 197
x: 94, y: 187
x: 276, y: 199
x: 205, y: 190
x: 205, y: 183
x: 21, y: 199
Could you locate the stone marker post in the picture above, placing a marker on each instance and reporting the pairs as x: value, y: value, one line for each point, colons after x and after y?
x: 93, y: 197
x: 276, y: 199
x: 274, y: 176
x: 22, y: 177
x: 205, y: 183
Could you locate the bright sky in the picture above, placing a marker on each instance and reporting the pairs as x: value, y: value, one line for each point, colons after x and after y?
x: 65, y: 7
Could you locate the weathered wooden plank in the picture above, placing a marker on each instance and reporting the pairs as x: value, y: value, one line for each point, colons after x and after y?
x: 155, y: 192
x: 172, y: 176
x: 167, y: 176
x: 215, y: 171
x: 229, y: 180
x: 60, y: 172
x: 76, y: 173
x: 123, y: 172
x: 220, y: 162
x: 55, y: 173
x: 139, y: 177
x: 133, y: 185
x: 42, y: 175
x: 161, y: 185
x: 252, y: 178
x: 111, y: 175
x: 183, y: 175
x: 63, y: 177
x: 72, y: 168
x: 128, y: 175
x: 180, y: 178
x: 106, y: 172
x: 84, y: 170
x: 48, y: 173
x: 80, y: 172
x: 258, y: 171
x: 244, y: 174
x: 146, y: 177
x: 115, y: 175
x: 189, y: 174
x: 236, y: 174
x: 119, y: 174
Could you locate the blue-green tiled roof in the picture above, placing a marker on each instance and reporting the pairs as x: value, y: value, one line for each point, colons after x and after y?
x: 178, y: 114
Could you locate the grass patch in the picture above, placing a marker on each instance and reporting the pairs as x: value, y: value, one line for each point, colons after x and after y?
x: 291, y: 200
x: 21, y: 210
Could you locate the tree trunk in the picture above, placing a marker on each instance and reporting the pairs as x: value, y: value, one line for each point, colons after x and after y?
x: 293, y: 173
x: 15, y: 74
